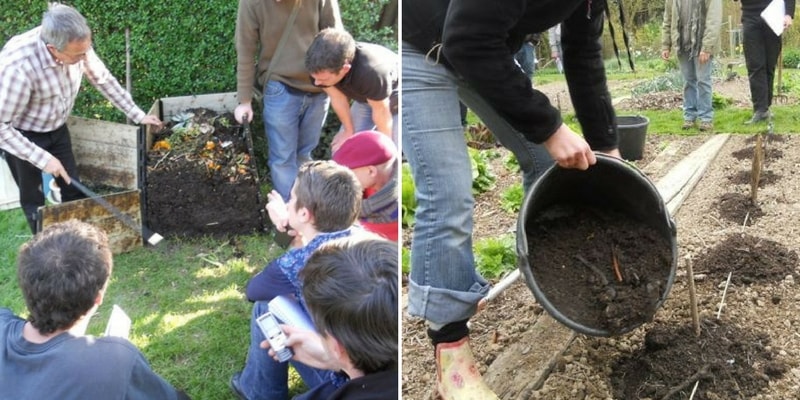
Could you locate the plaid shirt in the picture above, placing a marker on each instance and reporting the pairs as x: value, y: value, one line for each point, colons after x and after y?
x: 37, y: 93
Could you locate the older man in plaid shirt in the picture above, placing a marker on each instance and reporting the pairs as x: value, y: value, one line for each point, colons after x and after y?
x: 40, y: 76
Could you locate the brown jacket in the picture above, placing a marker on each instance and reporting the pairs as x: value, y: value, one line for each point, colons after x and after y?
x: 259, y: 27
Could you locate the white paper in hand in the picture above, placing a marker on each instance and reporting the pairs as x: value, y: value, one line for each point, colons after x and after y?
x: 119, y: 324
x: 289, y: 312
x: 773, y: 15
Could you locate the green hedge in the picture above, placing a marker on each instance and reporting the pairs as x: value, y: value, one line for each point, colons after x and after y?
x: 177, y: 48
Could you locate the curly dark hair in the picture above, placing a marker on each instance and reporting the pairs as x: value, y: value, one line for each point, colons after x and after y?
x: 61, y: 271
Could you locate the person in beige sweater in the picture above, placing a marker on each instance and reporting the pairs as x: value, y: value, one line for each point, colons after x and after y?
x: 294, y: 109
x: 692, y: 28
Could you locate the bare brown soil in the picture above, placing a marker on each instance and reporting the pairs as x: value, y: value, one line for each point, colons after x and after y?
x: 749, y: 345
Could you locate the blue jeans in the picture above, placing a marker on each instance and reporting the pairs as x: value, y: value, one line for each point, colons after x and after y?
x: 444, y: 286
x: 696, y: 88
x: 265, y: 378
x: 293, y: 121
x: 526, y: 58
x: 361, y: 114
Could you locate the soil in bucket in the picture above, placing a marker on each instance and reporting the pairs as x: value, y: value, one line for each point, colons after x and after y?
x: 598, y: 267
x: 597, y: 247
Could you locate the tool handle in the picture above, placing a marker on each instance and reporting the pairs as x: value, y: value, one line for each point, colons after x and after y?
x: 151, y: 237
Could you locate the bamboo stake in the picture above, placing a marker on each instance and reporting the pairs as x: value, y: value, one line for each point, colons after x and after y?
x: 700, y: 374
x: 694, y: 390
x: 693, y: 297
x: 722, y: 302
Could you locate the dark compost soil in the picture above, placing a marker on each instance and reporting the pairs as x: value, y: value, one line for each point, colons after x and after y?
x: 599, y: 267
x: 730, y: 362
x: 201, y: 179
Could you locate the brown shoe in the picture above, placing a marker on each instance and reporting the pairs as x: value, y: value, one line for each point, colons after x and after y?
x: 706, y: 126
x: 457, y: 373
x: 687, y: 125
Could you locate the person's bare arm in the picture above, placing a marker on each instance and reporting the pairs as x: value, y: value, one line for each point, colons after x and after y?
x: 382, y: 115
x: 341, y: 106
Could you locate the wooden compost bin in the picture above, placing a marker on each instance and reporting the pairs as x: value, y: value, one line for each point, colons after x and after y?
x: 196, y: 205
x: 108, y: 155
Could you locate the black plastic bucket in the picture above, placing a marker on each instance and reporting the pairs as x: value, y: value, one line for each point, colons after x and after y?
x: 632, y: 134
x: 611, y: 185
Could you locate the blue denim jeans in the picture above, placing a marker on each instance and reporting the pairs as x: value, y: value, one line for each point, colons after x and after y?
x: 361, y: 113
x: 265, y: 378
x: 696, y: 88
x: 444, y: 286
x: 526, y: 58
x: 293, y: 121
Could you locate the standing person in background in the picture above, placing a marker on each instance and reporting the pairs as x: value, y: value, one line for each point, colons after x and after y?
x: 464, y: 49
x: 363, y: 72
x: 554, y: 39
x: 761, y: 49
x: 40, y: 77
x: 294, y: 109
x: 526, y: 56
x: 692, y: 28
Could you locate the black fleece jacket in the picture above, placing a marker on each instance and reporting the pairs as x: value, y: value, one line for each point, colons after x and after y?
x: 755, y: 7
x: 480, y: 37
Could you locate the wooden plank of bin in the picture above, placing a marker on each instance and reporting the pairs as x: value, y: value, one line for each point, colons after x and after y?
x: 537, y: 351
x: 121, y: 238
x: 107, y: 153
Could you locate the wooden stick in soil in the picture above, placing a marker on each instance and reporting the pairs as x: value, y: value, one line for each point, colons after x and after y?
x: 694, y: 390
x: 722, y: 302
x: 615, y: 263
x: 693, y: 297
x: 700, y: 374
x: 594, y: 269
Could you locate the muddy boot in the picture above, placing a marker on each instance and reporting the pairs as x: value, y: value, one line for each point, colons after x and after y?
x: 457, y: 374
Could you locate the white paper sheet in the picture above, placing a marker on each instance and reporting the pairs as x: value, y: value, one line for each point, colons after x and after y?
x: 119, y: 324
x: 773, y: 15
x: 289, y: 312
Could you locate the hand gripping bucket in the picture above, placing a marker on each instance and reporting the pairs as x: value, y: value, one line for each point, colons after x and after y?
x: 597, y: 248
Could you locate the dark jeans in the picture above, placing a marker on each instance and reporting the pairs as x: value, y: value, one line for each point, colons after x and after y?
x: 29, y: 178
x: 761, y: 50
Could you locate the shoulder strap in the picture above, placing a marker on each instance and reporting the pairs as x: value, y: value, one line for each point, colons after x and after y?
x: 282, y: 42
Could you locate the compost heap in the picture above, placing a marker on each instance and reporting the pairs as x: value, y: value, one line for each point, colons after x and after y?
x: 201, y: 178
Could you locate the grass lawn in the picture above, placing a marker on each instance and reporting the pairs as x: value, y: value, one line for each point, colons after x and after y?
x: 185, y: 298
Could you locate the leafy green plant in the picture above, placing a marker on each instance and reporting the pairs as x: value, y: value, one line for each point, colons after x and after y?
x: 720, y: 102
x: 408, y: 200
x: 494, y: 256
x: 482, y: 177
x: 405, y: 259
x: 511, y: 163
x: 512, y: 198
x: 672, y: 80
x: 791, y: 57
